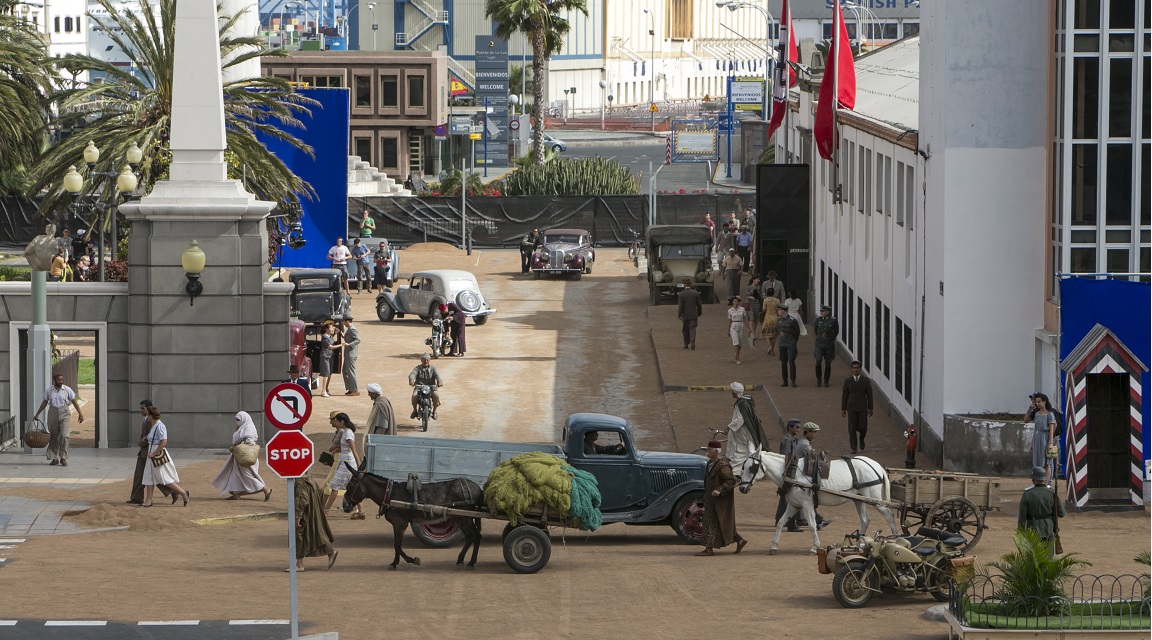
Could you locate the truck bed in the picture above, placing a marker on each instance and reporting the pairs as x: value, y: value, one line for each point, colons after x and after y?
x: 443, y: 458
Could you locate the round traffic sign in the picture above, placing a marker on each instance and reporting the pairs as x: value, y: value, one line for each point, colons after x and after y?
x: 514, y: 124
x: 289, y: 454
x: 287, y: 406
x: 441, y: 130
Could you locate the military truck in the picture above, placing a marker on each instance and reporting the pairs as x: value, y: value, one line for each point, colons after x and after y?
x: 676, y: 252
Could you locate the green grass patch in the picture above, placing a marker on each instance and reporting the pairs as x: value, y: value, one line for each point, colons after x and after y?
x: 12, y: 274
x: 1097, y: 615
x: 87, y: 373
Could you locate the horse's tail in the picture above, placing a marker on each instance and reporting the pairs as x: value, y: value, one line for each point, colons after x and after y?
x: 887, y: 485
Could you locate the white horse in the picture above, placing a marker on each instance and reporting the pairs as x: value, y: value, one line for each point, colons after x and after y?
x: 859, y: 475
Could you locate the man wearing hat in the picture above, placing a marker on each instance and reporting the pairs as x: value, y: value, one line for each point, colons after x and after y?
x: 719, y: 522
x: 732, y: 267
x: 381, y: 420
x: 802, y: 451
x: 788, y: 446
x: 789, y: 332
x: 1038, y: 505
x: 826, y: 329
x: 773, y: 283
x: 745, y: 433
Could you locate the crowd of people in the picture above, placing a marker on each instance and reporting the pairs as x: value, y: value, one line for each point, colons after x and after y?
x: 75, y: 259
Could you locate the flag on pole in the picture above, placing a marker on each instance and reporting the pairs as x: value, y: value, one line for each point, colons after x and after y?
x: 783, y: 71
x: 837, y: 88
x: 457, y: 87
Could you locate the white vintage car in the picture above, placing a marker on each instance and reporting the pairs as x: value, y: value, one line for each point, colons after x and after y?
x: 564, y: 252
x: 427, y: 290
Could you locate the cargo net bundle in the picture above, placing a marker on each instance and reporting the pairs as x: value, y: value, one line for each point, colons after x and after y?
x: 524, y: 481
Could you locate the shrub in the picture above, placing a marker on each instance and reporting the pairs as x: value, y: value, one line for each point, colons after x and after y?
x: 116, y: 271
x: 14, y: 274
x: 1033, y: 578
x: 572, y: 177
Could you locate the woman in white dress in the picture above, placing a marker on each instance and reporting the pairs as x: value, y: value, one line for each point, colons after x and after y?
x: 739, y: 325
x: 346, y: 435
x: 794, y: 305
x: 235, y: 478
x: 160, y: 474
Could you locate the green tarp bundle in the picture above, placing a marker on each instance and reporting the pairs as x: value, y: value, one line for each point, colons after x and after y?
x: 525, y: 480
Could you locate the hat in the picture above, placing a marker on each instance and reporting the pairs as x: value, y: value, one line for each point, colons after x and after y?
x: 334, y: 414
x: 825, y: 307
x: 713, y: 444
x: 373, y: 388
x: 780, y: 307
x: 425, y: 356
x: 811, y: 426
x: 731, y: 251
x: 793, y: 423
x: 1033, y: 394
x: 1039, y: 474
x: 736, y: 388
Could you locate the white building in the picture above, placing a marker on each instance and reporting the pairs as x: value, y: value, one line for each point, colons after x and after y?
x: 973, y: 172
x: 62, y: 23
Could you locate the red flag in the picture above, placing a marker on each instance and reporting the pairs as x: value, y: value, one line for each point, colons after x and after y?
x: 779, y: 87
x: 839, y: 81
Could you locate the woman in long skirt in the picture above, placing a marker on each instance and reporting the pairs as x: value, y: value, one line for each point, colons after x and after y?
x: 161, y: 469
x: 313, y: 536
x: 768, y: 331
x: 794, y: 305
x: 739, y: 325
x: 235, y: 478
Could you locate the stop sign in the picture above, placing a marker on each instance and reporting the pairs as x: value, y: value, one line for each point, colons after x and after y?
x: 289, y: 454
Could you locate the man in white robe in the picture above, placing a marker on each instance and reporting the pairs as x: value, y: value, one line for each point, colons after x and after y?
x: 744, y: 433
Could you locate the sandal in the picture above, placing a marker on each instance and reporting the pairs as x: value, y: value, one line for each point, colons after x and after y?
x: 231, y: 497
x: 268, y: 495
x: 332, y: 559
x: 357, y: 516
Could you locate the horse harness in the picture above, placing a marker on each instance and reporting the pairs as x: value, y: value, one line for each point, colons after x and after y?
x: 414, y: 485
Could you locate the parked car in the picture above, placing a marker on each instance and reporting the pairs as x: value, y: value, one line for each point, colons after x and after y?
x: 318, y: 295
x: 298, y: 349
x: 427, y: 290
x: 555, y: 144
x: 564, y: 252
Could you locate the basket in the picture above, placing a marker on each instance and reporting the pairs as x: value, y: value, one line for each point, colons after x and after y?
x: 37, y: 437
x: 246, y: 454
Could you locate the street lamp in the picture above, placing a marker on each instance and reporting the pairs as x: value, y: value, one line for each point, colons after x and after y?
x: 375, y: 27
x: 348, y: 18
x: 652, y: 71
x: 603, y: 87
x: 193, y: 262
x: 125, y: 182
x: 769, y: 59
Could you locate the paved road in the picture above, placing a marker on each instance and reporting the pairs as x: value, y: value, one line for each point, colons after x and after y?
x: 151, y: 630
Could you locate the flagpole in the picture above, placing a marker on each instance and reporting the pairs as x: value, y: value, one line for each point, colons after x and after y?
x: 833, y: 63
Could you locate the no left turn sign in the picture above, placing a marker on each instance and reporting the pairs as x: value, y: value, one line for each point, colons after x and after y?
x: 287, y: 406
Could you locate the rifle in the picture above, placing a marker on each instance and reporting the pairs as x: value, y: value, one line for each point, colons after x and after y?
x: 1056, y: 546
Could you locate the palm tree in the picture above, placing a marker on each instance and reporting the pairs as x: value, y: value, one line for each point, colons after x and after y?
x: 122, y: 108
x: 542, y: 22
x: 26, y: 78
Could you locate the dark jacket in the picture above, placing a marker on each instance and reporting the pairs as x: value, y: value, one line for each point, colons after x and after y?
x: 826, y: 330
x: 1036, y: 506
x: 856, y: 395
x: 688, y: 306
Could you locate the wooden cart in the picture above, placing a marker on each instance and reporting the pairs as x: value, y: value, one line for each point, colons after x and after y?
x: 945, y: 500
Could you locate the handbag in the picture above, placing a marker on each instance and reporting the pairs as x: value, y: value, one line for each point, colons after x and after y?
x: 162, y: 459
x: 327, y: 459
x: 247, y: 453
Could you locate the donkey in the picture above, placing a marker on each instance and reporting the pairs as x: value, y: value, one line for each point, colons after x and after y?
x: 459, y: 493
x: 859, y: 475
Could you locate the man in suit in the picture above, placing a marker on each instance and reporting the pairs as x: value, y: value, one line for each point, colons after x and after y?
x: 856, y: 404
x: 351, y: 349
x: 688, y: 309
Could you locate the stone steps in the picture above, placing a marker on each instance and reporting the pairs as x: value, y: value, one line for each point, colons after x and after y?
x: 366, y: 180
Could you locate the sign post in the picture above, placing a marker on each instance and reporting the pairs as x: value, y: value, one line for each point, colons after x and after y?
x: 289, y: 455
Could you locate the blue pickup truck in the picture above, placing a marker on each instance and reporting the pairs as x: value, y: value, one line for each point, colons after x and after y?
x: 636, y: 487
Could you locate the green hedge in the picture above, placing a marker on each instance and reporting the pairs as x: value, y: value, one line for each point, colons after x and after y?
x: 1096, y: 615
x: 572, y: 177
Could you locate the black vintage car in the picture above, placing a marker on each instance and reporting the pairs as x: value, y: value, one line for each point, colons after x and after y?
x: 318, y: 295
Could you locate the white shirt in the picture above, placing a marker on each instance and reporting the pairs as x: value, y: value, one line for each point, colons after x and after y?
x: 339, y: 254
x: 59, y: 399
x: 158, y: 434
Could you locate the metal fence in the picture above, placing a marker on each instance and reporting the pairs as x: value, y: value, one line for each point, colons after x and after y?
x: 1101, y: 602
x: 8, y: 435
x: 68, y: 365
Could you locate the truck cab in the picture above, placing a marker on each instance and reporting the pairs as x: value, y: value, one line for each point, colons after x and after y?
x: 636, y: 487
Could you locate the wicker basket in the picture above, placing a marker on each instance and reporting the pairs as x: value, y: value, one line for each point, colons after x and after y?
x: 37, y: 437
x: 246, y: 454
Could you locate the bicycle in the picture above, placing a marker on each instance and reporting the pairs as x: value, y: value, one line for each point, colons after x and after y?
x: 634, y: 248
x: 703, y: 451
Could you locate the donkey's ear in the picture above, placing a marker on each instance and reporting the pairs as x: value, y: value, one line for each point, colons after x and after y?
x: 349, y: 467
x: 363, y: 463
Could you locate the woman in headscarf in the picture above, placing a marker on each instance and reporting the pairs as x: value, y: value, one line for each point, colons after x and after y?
x: 235, y: 478
x: 457, y: 317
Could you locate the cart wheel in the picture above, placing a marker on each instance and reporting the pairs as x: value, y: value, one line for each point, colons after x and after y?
x: 912, y: 518
x: 527, y: 549
x: 957, y: 515
x: 509, y: 527
x: 439, y: 535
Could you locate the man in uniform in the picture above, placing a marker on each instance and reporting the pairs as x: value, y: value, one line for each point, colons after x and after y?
x: 826, y: 329
x: 1038, y: 505
x: 787, y: 448
x: 745, y: 434
x: 856, y: 404
x: 57, y: 398
x: 425, y: 373
x: 528, y: 245
x: 381, y: 419
x: 789, y: 333
x: 719, y: 521
x: 803, y: 450
x: 732, y: 267
x: 688, y: 309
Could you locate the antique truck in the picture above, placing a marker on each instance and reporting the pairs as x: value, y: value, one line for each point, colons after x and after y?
x: 676, y: 252
x: 636, y: 487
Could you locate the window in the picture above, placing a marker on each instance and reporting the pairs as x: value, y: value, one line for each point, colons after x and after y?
x: 909, y: 195
x: 900, y: 202
x: 389, y: 93
x: 880, y: 159
x: 67, y: 24
x: 362, y: 91
x: 416, y: 92
x: 1118, y: 203
x: 887, y: 342
x: 908, y: 363
x: 389, y: 153
x: 827, y: 26
x: 678, y: 19
x: 867, y: 339
x: 881, y: 30
x: 56, y: 23
x: 849, y: 297
x: 1084, y: 184
x: 899, y: 377
x: 851, y: 181
x: 362, y: 147
x: 1120, y: 99
x: 1083, y: 260
x: 911, y: 29
x: 866, y: 182
x: 1086, y: 97
x: 323, y: 81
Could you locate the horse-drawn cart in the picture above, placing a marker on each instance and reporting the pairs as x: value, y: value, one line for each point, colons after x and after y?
x: 944, y: 500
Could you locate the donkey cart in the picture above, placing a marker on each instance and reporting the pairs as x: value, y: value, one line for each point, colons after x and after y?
x: 945, y: 500
x: 527, y: 545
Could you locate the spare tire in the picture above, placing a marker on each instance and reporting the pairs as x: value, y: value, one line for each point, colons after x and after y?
x: 468, y: 301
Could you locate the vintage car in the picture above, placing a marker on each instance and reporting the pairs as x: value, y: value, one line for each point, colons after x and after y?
x: 299, y: 362
x: 427, y: 290
x: 564, y: 252
x: 318, y: 295
x: 676, y: 252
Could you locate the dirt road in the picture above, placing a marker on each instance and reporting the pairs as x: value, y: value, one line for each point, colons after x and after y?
x: 553, y: 348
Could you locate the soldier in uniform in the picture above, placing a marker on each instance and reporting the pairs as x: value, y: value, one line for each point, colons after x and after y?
x: 789, y: 332
x: 826, y: 329
x: 802, y: 451
x: 787, y: 449
x: 1038, y: 505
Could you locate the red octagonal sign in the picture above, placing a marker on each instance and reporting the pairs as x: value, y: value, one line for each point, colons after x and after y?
x: 289, y: 454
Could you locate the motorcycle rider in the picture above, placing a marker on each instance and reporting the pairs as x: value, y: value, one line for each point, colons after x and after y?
x: 425, y: 373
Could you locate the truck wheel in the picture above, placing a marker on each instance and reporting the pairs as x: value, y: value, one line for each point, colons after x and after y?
x: 852, y: 588
x: 688, y: 516
x: 385, y: 312
x: 509, y: 528
x: 527, y: 549
x: 440, y: 535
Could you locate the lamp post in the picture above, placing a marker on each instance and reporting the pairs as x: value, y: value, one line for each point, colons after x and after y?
x: 603, y: 88
x: 514, y: 100
x: 769, y: 59
x: 126, y: 182
x: 348, y: 18
x: 375, y: 27
x: 652, y: 71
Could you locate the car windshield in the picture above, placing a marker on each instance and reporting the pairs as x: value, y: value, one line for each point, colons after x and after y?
x: 681, y: 251
x: 461, y: 284
x: 565, y: 238
x: 313, y: 283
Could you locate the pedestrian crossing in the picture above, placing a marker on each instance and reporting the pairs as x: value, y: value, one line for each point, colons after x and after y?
x: 6, y: 547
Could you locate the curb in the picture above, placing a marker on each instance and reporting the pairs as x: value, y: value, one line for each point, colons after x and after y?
x: 251, y: 517
x: 105, y: 529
